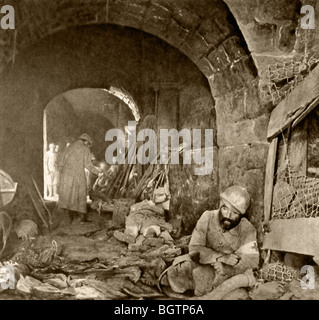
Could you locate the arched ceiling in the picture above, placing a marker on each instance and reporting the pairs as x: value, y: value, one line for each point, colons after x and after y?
x: 212, y: 33
x: 197, y: 28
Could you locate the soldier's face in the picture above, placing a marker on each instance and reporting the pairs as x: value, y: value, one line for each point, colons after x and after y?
x: 229, y: 217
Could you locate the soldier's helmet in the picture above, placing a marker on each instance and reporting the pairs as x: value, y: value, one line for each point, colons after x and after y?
x: 238, y: 197
x: 86, y: 137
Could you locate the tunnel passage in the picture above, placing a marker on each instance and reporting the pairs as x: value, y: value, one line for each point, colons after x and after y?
x: 213, y: 34
x: 162, y: 81
x: 91, y: 111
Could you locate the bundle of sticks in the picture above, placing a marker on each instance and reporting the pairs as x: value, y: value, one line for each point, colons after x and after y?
x: 130, y: 178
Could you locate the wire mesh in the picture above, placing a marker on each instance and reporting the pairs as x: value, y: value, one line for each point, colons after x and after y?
x: 282, y: 78
x: 277, y: 272
x: 295, y: 195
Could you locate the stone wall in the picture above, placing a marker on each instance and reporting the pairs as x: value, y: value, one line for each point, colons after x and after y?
x: 283, y: 52
x: 160, y: 79
x: 241, y: 121
x: 237, y: 44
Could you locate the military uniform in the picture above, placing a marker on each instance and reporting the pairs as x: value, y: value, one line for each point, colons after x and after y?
x: 72, y: 184
x: 211, y: 242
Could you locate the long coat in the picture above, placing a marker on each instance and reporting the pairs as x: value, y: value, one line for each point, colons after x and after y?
x: 72, y: 183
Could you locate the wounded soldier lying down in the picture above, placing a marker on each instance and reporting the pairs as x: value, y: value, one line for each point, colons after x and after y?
x: 222, y: 245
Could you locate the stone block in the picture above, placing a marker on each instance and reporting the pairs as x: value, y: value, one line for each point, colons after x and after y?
x: 215, y: 30
x: 206, y: 67
x: 156, y: 20
x: 243, y: 71
x: 185, y: 17
x: 199, y: 44
x: 270, y: 10
x: 246, y: 131
x: 190, y: 52
x: 234, y: 77
x: 235, y: 48
x: 287, y: 38
x: 218, y: 58
x: 247, y: 157
x: 177, y: 34
x: 230, y: 108
x: 252, y: 102
x: 219, y: 85
x: 125, y: 13
x: 125, y: 18
x: 260, y: 37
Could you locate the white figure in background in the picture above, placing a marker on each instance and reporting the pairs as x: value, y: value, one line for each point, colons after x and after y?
x: 51, y: 170
x: 58, y: 156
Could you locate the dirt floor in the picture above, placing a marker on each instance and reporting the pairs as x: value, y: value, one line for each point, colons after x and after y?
x: 94, y: 260
x: 89, y: 263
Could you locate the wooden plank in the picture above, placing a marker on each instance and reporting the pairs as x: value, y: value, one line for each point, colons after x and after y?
x: 294, y: 104
x: 311, y: 107
x: 282, y: 153
x: 298, y: 235
x: 298, y: 148
x: 269, y: 179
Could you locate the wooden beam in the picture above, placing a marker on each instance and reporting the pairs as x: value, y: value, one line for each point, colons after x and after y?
x: 298, y: 148
x: 311, y: 107
x: 269, y: 179
x: 298, y: 235
x: 294, y: 104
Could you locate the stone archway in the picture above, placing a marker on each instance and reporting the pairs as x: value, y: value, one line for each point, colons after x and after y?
x: 160, y: 80
x: 78, y: 111
x: 205, y: 31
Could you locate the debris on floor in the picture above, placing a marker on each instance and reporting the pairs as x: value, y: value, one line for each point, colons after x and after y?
x: 121, y: 253
x: 93, y: 260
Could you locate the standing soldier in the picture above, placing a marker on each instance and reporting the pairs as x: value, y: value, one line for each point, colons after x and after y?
x: 72, y: 185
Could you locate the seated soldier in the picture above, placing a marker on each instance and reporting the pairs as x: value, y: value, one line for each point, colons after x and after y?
x: 222, y: 245
x: 101, y: 181
x: 102, y: 185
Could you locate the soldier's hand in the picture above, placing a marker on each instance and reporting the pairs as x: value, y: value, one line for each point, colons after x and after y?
x: 229, y: 259
x: 219, y: 268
